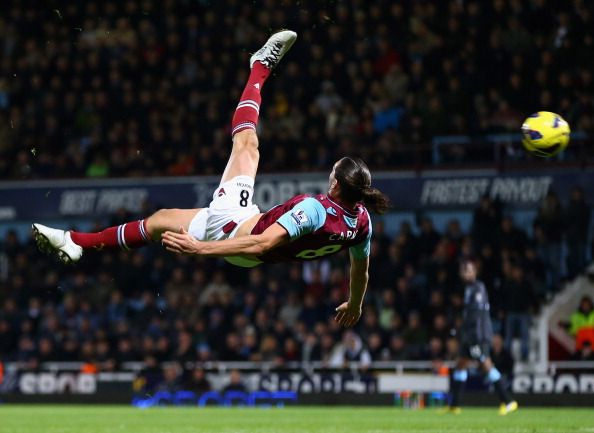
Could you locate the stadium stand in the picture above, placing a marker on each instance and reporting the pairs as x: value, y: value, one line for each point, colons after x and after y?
x: 147, y: 87
x: 153, y: 306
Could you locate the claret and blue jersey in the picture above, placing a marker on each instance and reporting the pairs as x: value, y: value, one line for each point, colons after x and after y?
x: 317, y: 227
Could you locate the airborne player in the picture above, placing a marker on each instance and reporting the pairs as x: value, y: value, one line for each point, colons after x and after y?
x: 303, y: 228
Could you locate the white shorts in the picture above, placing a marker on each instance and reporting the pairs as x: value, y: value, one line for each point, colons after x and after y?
x: 230, y: 207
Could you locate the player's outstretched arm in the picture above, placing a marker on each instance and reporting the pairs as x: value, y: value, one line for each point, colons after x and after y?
x: 348, y: 313
x: 254, y: 245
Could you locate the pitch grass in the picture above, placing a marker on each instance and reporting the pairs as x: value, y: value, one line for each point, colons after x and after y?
x: 121, y: 419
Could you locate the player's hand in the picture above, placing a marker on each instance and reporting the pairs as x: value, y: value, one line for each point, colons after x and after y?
x: 180, y: 243
x: 347, y: 315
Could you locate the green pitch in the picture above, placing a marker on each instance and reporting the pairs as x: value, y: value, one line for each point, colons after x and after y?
x: 112, y: 419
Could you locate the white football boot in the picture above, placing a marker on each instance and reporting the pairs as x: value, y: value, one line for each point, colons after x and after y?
x: 274, y: 49
x: 57, y: 242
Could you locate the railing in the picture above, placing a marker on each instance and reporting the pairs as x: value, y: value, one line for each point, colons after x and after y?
x: 398, y: 367
x: 503, y: 149
x: 223, y: 366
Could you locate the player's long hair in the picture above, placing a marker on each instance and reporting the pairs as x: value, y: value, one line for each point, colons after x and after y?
x: 354, y: 179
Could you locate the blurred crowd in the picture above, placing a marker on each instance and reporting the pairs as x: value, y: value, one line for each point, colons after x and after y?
x: 152, y: 306
x: 146, y: 87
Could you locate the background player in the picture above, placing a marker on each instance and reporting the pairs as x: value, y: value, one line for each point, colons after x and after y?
x: 477, y: 333
x: 303, y: 228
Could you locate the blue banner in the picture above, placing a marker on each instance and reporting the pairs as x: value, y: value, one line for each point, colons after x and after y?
x: 34, y: 200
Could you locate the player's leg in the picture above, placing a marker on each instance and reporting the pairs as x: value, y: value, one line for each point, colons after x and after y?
x: 244, y: 157
x: 169, y: 220
x: 457, y: 381
x: 244, y: 154
x: 69, y: 245
x: 498, y: 382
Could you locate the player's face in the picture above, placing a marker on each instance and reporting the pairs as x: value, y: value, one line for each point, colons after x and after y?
x: 468, y: 272
x: 332, y: 178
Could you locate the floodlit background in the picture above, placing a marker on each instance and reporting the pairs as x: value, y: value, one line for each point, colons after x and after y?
x: 110, y: 110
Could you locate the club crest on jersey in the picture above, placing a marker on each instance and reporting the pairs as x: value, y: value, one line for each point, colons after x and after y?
x: 221, y: 192
x: 300, y: 217
x: 351, y: 222
x: 342, y: 236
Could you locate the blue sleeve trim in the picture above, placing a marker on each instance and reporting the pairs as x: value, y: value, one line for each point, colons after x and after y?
x: 363, y: 250
x: 460, y: 375
x: 306, y: 217
x: 494, y: 375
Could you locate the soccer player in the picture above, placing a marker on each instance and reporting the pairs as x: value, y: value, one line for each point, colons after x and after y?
x: 303, y: 228
x: 477, y: 333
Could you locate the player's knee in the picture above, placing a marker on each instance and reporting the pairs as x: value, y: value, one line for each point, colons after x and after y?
x: 246, y: 141
x: 157, y: 222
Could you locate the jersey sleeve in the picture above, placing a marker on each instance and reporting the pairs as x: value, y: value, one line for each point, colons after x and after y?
x: 361, y: 251
x: 306, y: 217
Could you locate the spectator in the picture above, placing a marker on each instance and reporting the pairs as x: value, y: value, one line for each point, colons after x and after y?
x: 376, y: 348
x: 415, y: 335
x: 197, y: 381
x: 452, y: 349
x: 440, y: 329
x: 235, y: 382
x: 350, y: 350
x: 486, y: 216
x: 268, y: 349
x: 502, y: 358
x: 428, y: 238
x: 232, y: 350
x: 582, y: 323
x: 535, y: 271
x: 398, y: 349
x: 310, y: 348
x: 184, y: 352
x: 216, y: 288
x: 380, y: 236
x: 549, y: 225
x: 519, y: 302
x: 125, y: 351
x: 150, y: 376
x: 291, y: 351
x: 328, y: 100
x: 171, y: 382
x: 290, y: 311
x: 8, y: 337
x: 326, y: 349
x: 46, y: 350
x: 311, y: 312
x: 387, y: 311
x: 512, y: 238
x: 204, y: 353
x: 435, y: 349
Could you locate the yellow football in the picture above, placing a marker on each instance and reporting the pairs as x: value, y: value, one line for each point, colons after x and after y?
x: 545, y: 134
